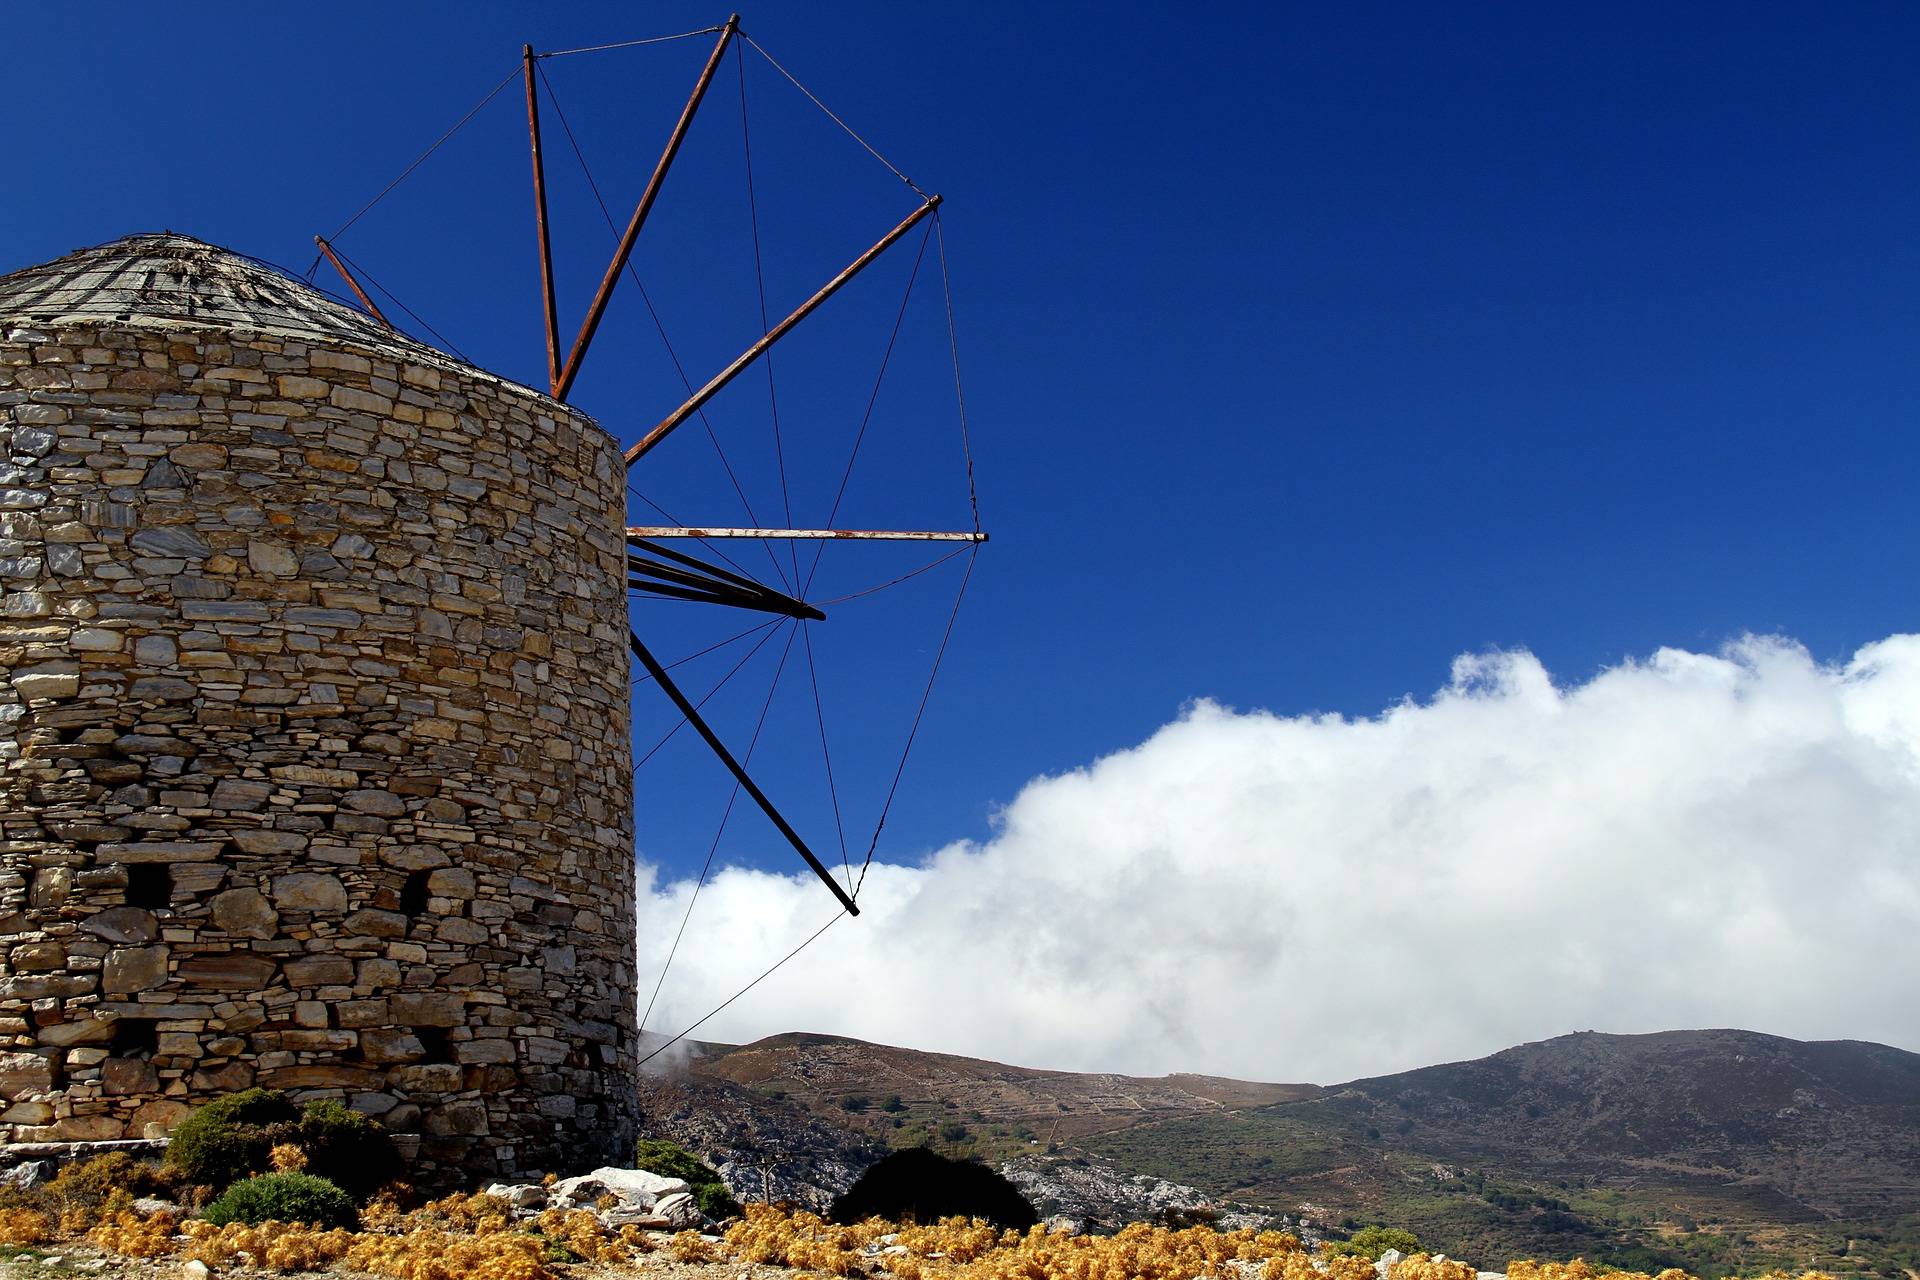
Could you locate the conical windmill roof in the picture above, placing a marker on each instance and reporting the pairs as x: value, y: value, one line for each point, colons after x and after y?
x: 168, y: 281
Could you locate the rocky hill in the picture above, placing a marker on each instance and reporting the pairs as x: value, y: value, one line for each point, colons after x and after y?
x: 1714, y: 1150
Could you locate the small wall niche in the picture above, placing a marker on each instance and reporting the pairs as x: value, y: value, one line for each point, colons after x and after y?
x: 150, y: 885
x: 414, y: 894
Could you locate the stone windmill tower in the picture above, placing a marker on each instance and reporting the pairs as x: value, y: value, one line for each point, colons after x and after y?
x: 314, y: 771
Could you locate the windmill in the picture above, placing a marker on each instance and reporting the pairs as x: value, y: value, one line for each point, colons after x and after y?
x: 687, y: 562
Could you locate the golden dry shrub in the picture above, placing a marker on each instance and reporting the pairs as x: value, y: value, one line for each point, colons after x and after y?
x: 287, y: 1158
x: 1423, y: 1266
x: 136, y: 1236
x: 579, y: 1230
x: 1354, y: 1268
x: 277, y: 1246
x: 25, y: 1227
x: 1526, y: 1269
x: 427, y: 1254
x: 687, y: 1246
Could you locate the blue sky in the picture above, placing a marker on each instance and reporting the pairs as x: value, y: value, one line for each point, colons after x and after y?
x: 1304, y: 348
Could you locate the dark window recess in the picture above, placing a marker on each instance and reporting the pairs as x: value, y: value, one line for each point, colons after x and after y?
x: 150, y: 885
x: 33, y: 874
x: 414, y: 895
x: 434, y: 1041
x: 135, y: 1038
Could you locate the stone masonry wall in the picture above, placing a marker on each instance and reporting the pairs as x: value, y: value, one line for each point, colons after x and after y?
x: 314, y: 760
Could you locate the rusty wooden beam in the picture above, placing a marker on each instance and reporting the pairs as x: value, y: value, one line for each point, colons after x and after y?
x: 352, y: 284
x: 571, y: 370
x: 540, y: 223
x: 779, y: 331
x: 692, y: 714
x: 865, y: 535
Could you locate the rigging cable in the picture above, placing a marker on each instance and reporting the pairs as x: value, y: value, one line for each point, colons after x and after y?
x: 959, y: 393
x: 682, y: 722
x: 626, y: 44
x: 914, y: 732
x: 403, y: 306
x: 645, y: 676
x: 826, y: 756
x: 693, y: 1027
x: 421, y: 158
x: 726, y: 815
x: 886, y: 358
x: 836, y: 119
x: 760, y: 279
x: 658, y: 324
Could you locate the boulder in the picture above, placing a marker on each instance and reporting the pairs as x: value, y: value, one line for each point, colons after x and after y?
x: 679, y: 1210
x: 634, y: 1188
x: 529, y: 1195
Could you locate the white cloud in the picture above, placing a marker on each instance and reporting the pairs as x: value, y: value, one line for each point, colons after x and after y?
x: 1691, y: 840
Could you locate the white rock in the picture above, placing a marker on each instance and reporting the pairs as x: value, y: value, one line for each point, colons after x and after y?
x: 529, y: 1195
x: 679, y: 1209
x: 632, y: 1187
x: 196, y: 1270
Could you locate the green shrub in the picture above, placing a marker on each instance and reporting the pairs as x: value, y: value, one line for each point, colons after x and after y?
x: 284, y: 1197
x: 347, y: 1149
x: 233, y: 1137
x: 1371, y: 1242
x: 229, y: 1138
x: 670, y: 1160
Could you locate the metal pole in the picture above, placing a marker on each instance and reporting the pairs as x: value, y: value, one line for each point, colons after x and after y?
x: 540, y: 223
x: 779, y: 331
x: 352, y: 284
x: 571, y: 370
x: 865, y: 535
x: 692, y: 714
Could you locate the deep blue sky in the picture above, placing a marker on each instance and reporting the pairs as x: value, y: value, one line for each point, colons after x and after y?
x: 1305, y: 347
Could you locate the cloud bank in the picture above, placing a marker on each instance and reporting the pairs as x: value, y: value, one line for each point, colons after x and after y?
x: 1690, y: 840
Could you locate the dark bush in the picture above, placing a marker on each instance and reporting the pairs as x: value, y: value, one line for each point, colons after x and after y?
x: 284, y: 1197
x: 229, y: 1138
x: 670, y: 1160
x: 925, y: 1186
x: 347, y: 1149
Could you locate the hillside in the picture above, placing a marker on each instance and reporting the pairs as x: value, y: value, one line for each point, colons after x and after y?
x: 1712, y: 1149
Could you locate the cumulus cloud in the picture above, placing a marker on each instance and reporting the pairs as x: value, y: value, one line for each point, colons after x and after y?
x: 1689, y: 840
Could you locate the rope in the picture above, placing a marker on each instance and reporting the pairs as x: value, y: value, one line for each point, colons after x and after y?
x: 659, y: 325
x: 421, y: 158
x: 742, y: 991
x: 826, y: 756
x: 413, y: 315
x: 959, y: 393
x: 626, y: 44
x: 914, y: 732
x: 886, y: 358
x: 645, y: 676
x: 672, y: 519
x: 836, y: 119
x: 726, y: 815
x: 894, y: 582
x: 760, y: 278
x: 682, y: 722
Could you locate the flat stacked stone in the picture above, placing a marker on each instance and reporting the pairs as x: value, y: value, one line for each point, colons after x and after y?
x: 314, y: 760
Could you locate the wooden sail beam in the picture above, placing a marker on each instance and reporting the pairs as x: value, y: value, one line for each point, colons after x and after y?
x: 700, y: 726
x: 571, y: 369
x: 540, y: 223
x: 861, y: 535
x: 352, y: 284
x: 713, y: 388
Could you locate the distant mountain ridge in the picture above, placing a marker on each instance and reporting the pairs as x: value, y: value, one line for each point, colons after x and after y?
x: 1711, y: 1149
